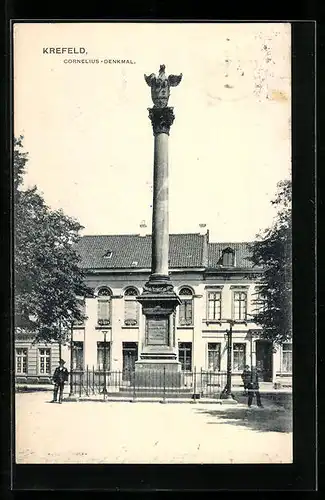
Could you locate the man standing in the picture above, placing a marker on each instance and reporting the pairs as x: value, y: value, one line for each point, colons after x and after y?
x: 60, y: 376
x: 253, y: 388
x: 246, y: 378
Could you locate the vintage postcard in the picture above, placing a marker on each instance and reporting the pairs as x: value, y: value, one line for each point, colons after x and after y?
x: 152, y: 191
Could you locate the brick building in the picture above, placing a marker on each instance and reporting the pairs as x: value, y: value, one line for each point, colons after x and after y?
x: 216, y: 282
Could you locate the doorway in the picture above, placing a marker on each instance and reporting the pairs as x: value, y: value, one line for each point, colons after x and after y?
x: 130, y: 355
x: 264, y: 359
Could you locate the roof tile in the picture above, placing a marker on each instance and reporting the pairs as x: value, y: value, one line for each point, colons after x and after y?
x: 185, y: 250
x: 134, y: 251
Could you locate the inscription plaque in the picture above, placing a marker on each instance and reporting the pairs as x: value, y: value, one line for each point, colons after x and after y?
x: 157, y: 331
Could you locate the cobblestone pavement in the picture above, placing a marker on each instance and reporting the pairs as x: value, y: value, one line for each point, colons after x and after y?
x: 124, y: 432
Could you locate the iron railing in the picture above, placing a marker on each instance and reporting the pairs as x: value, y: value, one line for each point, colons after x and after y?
x: 160, y: 383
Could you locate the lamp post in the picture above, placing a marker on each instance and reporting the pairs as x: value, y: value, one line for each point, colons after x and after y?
x: 105, y: 361
x: 252, y: 316
x: 71, y: 360
x: 226, y: 393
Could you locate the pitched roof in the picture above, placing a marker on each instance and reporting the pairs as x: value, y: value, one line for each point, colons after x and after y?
x: 127, y: 251
x: 242, y: 253
x: 185, y: 251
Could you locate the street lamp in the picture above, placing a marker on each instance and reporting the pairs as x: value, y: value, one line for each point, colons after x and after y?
x: 251, y: 336
x: 226, y: 393
x: 105, y: 361
x: 71, y: 360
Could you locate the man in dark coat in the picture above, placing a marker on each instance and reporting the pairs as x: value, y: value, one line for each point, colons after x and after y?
x: 253, y: 388
x: 246, y: 378
x: 60, y: 376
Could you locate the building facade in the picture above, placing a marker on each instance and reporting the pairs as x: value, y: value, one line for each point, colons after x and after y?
x: 215, y: 281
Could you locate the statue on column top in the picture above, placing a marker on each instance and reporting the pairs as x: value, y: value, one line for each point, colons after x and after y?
x: 160, y: 86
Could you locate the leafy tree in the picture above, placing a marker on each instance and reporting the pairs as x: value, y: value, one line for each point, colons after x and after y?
x: 48, y: 279
x: 272, y: 251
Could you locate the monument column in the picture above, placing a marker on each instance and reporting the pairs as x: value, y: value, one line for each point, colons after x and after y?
x: 158, y: 299
x: 161, y: 120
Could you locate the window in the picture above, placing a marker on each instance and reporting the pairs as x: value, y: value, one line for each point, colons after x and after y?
x: 104, y: 306
x: 44, y: 361
x: 77, y: 356
x: 228, y: 257
x: 103, y: 355
x: 186, y: 307
x: 214, y: 305
x: 239, y: 357
x: 131, y: 307
x: 287, y: 358
x: 214, y: 350
x: 21, y: 360
x: 240, y: 305
x: 185, y: 355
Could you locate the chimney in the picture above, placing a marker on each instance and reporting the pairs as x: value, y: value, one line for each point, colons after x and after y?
x: 203, y: 229
x: 143, y: 228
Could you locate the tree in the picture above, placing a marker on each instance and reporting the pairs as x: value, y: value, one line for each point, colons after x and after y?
x: 272, y: 251
x: 48, y: 281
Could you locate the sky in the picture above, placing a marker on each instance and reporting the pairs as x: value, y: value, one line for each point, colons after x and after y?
x: 90, y: 141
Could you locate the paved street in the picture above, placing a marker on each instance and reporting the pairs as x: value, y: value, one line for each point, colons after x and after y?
x: 124, y: 432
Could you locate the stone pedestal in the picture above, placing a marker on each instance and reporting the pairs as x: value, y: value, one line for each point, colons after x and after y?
x: 158, y: 374
x: 158, y: 365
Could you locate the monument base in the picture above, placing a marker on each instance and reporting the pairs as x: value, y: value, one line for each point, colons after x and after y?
x: 159, y: 352
x: 158, y: 373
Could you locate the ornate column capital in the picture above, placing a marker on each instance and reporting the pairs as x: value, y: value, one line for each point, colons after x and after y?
x: 161, y: 119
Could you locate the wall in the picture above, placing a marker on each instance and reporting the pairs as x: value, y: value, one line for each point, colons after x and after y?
x: 33, y: 358
x: 200, y: 333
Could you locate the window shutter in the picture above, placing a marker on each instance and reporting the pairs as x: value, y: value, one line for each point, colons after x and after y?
x: 104, y: 311
x: 189, y: 310
x: 130, y: 312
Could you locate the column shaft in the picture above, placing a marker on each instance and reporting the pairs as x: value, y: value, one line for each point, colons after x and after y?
x: 160, y: 229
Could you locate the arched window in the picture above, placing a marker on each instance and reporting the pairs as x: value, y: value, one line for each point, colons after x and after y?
x: 228, y: 257
x: 104, y: 306
x: 131, y: 307
x: 186, y: 307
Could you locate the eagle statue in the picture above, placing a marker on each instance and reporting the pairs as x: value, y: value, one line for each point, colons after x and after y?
x: 160, y: 86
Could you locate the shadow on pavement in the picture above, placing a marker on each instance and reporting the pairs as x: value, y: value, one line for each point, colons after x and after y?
x: 268, y: 419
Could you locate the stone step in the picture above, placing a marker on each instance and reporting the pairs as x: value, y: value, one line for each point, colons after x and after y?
x: 177, y: 390
x: 151, y: 399
x: 140, y: 394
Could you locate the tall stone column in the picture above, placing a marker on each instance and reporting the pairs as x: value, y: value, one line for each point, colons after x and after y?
x: 161, y: 120
x: 159, y: 301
